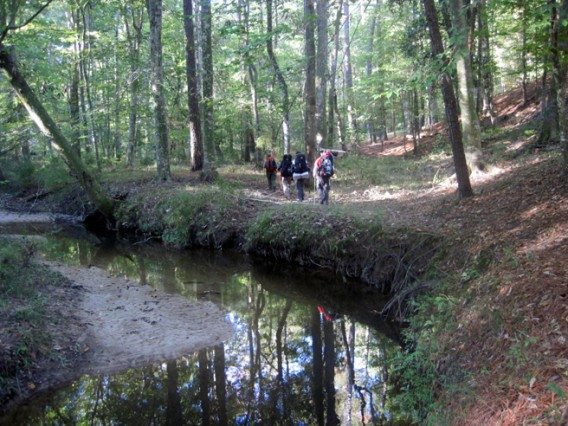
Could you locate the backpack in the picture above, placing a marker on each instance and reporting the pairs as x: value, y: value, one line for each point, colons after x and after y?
x: 326, y: 168
x: 300, y: 165
x: 270, y: 165
x: 286, y: 167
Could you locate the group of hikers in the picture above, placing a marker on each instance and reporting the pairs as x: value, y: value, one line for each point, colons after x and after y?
x: 297, y: 170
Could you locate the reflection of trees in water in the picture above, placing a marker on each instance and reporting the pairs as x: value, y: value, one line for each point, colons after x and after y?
x: 286, y: 364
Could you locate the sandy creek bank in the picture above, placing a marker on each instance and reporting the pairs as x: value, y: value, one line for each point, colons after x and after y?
x: 109, y: 324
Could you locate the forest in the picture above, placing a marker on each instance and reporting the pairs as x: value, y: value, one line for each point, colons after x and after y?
x: 151, y: 120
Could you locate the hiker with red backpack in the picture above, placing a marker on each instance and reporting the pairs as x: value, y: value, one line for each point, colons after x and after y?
x: 271, y: 168
x: 323, y: 171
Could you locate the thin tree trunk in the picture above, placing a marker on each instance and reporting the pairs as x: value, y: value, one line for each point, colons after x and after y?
x: 195, y: 136
x: 117, y: 141
x: 134, y: 37
x: 310, y: 83
x: 454, y: 130
x: 334, y: 121
x: 279, y: 78
x: 208, y: 123
x: 85, y: 72
x: 348, y: 74
x: 157, y: 78
x: 321, y: 71
x: 486, y: 76
x: 369, y: 71
x: 45, y: 123
x: 560, y: 75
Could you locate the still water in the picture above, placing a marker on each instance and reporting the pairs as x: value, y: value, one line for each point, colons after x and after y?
x: 307, y: 349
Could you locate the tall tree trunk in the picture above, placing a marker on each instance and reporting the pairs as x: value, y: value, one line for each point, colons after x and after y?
x: 560, y: 75
x: 485, y: 65
x: 460, y: 165
x: 369, y: 71
x: 280, y: 79
x: 250, y: 129
x: 73, y: 100
x: 348, y: 74
x: 133, y: 23
x: 116, y: 133
x: 321, y: 71
x: 157, y: 81
x: 208, y: 123
x: 45, y: 123
x: 195, y: 136
x: 524, y: 24
x: 469, y: 121
x: 310, y: 84
x: 334, y: 121
x: 549, y: 131
x: 85, y: 69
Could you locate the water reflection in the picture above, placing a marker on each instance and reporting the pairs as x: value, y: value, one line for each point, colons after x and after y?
x: 301, y: 354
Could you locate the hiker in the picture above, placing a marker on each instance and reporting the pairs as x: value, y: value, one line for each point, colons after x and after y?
x: 286, y: 172
x: 271, y: 168
x: 323, y: 171
x: 301, y: 174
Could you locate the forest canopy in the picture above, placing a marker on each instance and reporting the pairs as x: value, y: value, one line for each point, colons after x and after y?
x: 215, y: 81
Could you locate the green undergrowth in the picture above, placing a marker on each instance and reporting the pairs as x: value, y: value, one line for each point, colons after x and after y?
x: 392, y: 173
x: 24, y: 314
x: 206, y: 217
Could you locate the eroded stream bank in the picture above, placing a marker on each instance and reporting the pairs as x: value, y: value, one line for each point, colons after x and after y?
x: 296, y: 333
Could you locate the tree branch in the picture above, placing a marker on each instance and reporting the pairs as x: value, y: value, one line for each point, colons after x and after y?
x: 30, y: 19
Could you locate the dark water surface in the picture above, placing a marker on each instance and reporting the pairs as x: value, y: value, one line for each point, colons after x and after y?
x: 306, y: 349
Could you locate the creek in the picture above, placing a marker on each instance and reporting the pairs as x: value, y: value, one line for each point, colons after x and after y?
x: 307, y: 348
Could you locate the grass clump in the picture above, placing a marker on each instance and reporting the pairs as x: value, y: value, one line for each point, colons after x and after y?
x: 204, y: 217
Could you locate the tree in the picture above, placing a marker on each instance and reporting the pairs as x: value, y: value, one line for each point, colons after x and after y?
x: 321, y: 70
x: 211, y: 147
x: 450, y: 105
x: 310, y: 83
x: 194, y: 120
x: 280, y: 78
x: 132, y: 15
x: 158, y: 95
x: 469, y: 121
x: 45, y: 123
x: 348, y: 73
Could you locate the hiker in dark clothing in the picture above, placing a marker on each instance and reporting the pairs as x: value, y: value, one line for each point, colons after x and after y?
x: 271, y: 168
x: 301, y: 174
x: 323, y: 171
x: 286, y: 171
